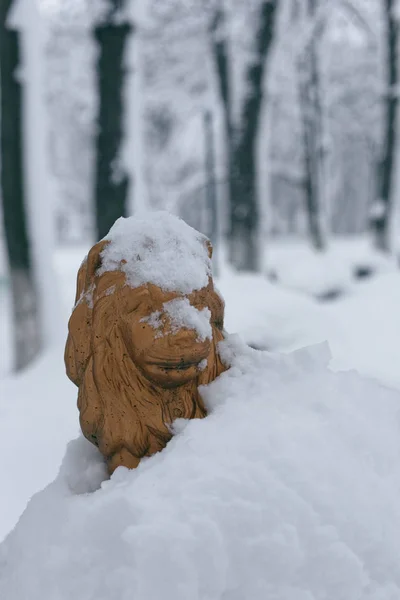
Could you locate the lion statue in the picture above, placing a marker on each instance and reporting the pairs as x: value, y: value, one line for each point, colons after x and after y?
x: 138, y: 354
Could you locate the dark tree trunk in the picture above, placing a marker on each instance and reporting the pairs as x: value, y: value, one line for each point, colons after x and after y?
x: 311, y: 109
x: 242, y: 139
x: 112, y: 183
x: 221, y: 58
x: 243, y: 233
x: 211, y: 187
x: 222, y: 65
x: 244, y: 210
x: 26, y: 320
x: 381, y: 221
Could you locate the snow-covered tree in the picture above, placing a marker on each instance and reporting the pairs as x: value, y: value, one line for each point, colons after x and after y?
x: 27, y: 338
x: 72, y: 105
x: 237, y: 37
x: 201, y: 56
x: 177, y: 74
x: 244, y: 210
x: 86, y: 56
x: 311, y: 103
x: 347, y: 37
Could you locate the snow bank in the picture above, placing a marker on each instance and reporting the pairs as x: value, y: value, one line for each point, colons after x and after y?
x: 362, y: 327
x: 269, y: 317
x: 369, y: 338
x: 158, y: 248
x: 327, y: 275
x: 289, y: 490
x: 38, y: 417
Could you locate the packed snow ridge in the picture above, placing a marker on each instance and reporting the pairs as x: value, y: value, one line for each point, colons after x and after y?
x: 288, y: 490
x: 158, y: 248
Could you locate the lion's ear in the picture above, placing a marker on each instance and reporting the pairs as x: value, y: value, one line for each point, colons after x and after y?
x: 78, y: 346
x: 87, y: 271
x: 93, y: 262
x: 81, y: 281
x: 209, y: 247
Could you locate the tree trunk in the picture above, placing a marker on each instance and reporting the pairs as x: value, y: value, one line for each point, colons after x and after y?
x: 221, y: 58
x: 27, y: 340
x: 383, y: 218
x: 211, y: 186
x: 311, y: 109
x: 242, y: 139
x: 244, y: 211
x: 111, y: 187
x: 243, y: 233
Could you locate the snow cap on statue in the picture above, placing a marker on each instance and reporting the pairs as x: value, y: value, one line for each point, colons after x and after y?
x: 158, y: 248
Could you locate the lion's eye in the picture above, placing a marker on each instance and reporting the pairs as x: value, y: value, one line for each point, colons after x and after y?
x: 133, y: 309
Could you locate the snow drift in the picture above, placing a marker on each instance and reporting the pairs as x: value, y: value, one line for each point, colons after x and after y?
x: 288, y: 490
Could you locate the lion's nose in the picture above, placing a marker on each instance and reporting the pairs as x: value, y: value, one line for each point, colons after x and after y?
x: 193, y: 349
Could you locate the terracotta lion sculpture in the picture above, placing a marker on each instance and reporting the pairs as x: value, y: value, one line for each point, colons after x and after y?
x: 138, y: 354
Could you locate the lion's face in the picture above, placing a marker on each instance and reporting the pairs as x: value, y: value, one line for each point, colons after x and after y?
x: 168, y: 355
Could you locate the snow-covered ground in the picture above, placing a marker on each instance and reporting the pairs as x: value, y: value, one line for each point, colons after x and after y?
x: 287, y: 491
x: 299, y: 306
x: 327, y: 275
x: 307, y: 456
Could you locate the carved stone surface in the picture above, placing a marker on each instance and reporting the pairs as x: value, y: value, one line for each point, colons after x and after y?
x: 138, y: 355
